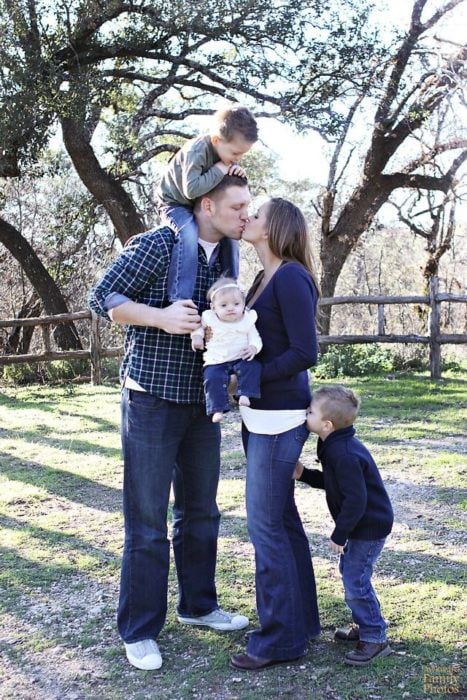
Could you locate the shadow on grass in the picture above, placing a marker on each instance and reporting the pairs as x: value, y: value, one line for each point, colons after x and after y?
x: 67, y: 542
x: 62, y: 483
x: 68, y: 444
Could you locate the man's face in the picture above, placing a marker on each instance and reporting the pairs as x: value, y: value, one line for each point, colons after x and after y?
x: 228, y: 212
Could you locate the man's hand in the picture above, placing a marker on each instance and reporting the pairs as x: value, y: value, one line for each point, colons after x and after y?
x: 298, y: 471
x: 236, y: 169
x: 249, y: 352
x: 180, y: 317
x: 336, y: 548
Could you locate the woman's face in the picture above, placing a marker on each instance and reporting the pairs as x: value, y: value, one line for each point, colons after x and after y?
x: 255, y: 228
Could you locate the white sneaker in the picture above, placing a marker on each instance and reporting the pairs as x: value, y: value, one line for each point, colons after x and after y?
x: 218, y: 620
x: 144, y: 655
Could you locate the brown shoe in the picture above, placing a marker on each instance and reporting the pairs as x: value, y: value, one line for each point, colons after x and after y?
x: 352, y: 634
x: 365, y: 652
x: 248, y: 662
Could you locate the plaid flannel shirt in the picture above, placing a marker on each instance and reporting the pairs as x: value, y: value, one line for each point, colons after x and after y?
x: 161, y: 363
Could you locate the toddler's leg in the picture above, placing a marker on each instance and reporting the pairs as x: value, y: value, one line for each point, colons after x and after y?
x: 184, y: 260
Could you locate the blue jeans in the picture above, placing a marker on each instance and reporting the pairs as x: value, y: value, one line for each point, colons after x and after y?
x: 356, y: 568
x: 285, y: 584
x: 165, y: 442
x: 216, y: 382
x: 184, y: 260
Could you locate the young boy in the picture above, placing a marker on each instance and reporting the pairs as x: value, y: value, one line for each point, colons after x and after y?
x: 233, y: 343
x: 194, y: 170
x: 361, y: 509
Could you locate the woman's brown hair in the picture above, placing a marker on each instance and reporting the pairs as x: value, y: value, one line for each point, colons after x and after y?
x: 288, y: 234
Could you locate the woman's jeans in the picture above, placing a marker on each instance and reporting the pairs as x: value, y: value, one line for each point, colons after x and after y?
x: 184, y: 260
x: 356, y: 568
x: 285, y: 583
x: 216, y: 383
x: 165, y: 442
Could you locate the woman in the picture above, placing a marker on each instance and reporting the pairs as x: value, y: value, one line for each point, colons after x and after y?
x: 284, y: 295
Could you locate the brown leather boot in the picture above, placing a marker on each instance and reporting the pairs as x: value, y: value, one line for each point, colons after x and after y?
x: 365, y: 652
x: 352, y: 634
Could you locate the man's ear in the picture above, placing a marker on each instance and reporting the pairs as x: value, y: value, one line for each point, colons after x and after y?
x: 206, y: 205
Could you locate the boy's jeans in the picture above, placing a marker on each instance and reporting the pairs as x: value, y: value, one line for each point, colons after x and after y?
x: 184, y: 261
x: 356, y: 568
x: 216, y: 382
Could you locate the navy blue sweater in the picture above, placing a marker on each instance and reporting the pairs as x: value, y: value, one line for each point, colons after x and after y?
x: 355, y: 492
x: 286, y: 323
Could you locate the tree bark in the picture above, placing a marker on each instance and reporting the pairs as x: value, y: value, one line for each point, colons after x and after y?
x: 104, y: 188
x: 52, y: 299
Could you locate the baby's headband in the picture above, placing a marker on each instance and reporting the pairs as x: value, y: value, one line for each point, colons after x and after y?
x: 225, y: 286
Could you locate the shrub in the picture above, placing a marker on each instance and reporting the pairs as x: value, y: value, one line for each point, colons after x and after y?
x: 354, y: 361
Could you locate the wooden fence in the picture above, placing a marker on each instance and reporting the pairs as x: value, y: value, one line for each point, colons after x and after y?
x: 96, y: 352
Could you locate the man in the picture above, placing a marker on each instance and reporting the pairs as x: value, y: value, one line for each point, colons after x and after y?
x: 166, y: 435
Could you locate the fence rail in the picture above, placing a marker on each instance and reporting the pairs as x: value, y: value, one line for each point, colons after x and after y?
x: 96, y: 352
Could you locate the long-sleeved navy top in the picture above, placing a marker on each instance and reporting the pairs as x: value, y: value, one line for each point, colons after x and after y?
x: 355, y: 493
x: 286, y: 323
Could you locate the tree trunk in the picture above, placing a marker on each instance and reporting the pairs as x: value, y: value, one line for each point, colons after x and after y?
x: 104, y: 188
x: 19, y: 339
x: 337, y: 244
x: 65, y: 335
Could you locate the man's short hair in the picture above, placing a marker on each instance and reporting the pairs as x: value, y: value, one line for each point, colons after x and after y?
x: 233, y: 121
x: 337, y: 404
x: 226, y: 182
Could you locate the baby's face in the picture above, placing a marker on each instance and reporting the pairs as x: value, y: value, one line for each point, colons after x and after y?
x: 229, y: 305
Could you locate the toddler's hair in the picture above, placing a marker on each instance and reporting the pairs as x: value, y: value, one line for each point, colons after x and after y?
x: 337, y: 404
x: 224, y: 282
x: 233, y: 120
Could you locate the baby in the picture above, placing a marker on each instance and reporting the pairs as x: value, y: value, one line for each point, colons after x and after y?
x: 232, y: 344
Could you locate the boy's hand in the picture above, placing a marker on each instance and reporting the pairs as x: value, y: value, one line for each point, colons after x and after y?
x: 249, y: 352
x: 336, y: 548
x: 222, y: 166
x: 298, y: 471
x: 236, y: 169
x: 197, y: 343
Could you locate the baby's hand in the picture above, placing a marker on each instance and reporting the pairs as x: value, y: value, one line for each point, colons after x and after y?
x: 197, y: 343
x: 249, y: 352
x: 236, y: 169
x: 298, y: 471
x: 336, y: 548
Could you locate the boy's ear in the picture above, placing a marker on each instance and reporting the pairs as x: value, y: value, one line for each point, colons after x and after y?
x: 215, y: 139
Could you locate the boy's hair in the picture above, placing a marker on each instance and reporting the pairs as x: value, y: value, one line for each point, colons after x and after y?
x: 222, y: 282
x: 337, y: 404
x: 233, y: 120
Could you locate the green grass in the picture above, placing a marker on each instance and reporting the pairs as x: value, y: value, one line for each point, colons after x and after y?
x: 61, y: 539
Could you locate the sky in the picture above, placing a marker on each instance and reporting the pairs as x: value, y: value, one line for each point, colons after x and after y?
x: 296, y: 153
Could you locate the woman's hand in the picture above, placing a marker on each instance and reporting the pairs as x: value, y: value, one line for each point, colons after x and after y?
x: 249, y: 352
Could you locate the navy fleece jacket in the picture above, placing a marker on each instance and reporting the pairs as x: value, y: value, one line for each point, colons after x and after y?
x: 355, y: 493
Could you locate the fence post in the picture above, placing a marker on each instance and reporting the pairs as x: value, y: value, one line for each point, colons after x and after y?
x: 381, y: 320
x: 95, y: 350
x: 435, y: 347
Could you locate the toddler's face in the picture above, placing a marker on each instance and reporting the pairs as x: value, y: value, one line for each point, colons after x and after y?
x: 314, y: 418
x: 229, y: 305
x: 231, y: 151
